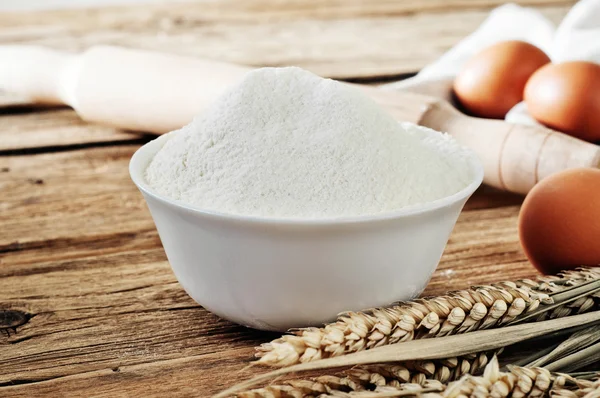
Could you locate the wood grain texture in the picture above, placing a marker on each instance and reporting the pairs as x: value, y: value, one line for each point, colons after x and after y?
x: 24, y: 127
x: 193, y: 377
x: 81, y: 256
x: 68, y: 194
x: 363, y: 39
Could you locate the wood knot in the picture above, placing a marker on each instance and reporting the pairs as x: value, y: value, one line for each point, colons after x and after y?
x: 12, y: 319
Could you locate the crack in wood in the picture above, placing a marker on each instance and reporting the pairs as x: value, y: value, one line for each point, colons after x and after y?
x: 136, y: 367
x: 379, y: 79
x: 153, y: 255
x: 26, y: 108
x: 25, y: 338
x: 75, y: 353
x: 80, y: 295
x: 73, y: 147
x: 224, y: 329
x: 17, y: 382
x: 98, y: 241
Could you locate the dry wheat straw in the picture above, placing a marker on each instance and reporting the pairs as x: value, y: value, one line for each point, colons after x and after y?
x: 519, y: 382
x: 357, y: 383
x: 480, y: 307
x: 578, y: 388
x: 443, y: 370
x: 516, y: 382
x: 406, y: 375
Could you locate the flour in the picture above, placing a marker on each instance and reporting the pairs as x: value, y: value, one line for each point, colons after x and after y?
x: 286, y: 143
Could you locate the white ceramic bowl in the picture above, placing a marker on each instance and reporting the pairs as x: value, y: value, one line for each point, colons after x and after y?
x: 277, y: 274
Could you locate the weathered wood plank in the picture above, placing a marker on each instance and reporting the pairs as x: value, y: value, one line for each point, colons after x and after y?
x: 25, y: 128
x: 333, y: 38
x: 108, y: 311
x: 114, y: 311
x: 69, y: 194
x: 236, y: 10
x: 193, y: 377
x: 82, y: 256
x: 244, y: 11
x: 104, y: 308
x: 105, y: 311
x: 487, y: 197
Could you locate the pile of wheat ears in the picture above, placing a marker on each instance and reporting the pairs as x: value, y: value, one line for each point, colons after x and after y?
x: 515, y: 382
x: 480, y: 307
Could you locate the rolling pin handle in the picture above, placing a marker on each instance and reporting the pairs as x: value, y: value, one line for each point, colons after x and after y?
x: 39, y: 74
x: 515, y: 157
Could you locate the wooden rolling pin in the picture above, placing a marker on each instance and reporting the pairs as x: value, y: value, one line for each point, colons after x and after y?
x: 156, y: 92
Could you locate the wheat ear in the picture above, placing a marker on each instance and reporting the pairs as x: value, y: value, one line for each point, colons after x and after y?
x: 442, y: 370
x: 577, y: 388
x: 516, y: 382
x: 462, y: 311
x: 407, y: 375
x: 357, y: 384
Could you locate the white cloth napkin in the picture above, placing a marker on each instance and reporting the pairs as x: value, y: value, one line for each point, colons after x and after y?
x: 577, y: 38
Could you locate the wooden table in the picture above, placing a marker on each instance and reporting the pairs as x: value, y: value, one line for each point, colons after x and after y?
x: 88, y: 303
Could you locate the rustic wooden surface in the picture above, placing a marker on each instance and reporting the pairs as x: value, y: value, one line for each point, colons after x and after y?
x: 337, y: 38
x: 88, y: 303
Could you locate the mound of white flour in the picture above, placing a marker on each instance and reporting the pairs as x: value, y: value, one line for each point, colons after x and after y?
x: 287, y: 143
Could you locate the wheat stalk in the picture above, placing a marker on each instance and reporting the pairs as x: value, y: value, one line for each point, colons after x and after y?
x: 583, y: 388
x: 519, y: 382
x: 442, y: 370
x: 462, y: 311
x: 516, y: 382
x: 406, y: 375
x: 428, y: 349
x: 356, y: 383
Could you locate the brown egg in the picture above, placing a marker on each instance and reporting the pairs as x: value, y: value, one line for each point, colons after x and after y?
x: 493, y: 80
x: 559, y: 222
x: 566, y: 97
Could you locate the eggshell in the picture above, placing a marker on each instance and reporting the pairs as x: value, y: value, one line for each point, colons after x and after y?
x: 492, y: 81
x: 559, y: 222
x: 566, y: 97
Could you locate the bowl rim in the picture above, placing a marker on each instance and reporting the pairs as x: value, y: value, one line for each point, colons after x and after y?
x: 143, y: 155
